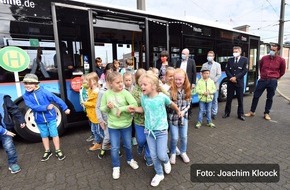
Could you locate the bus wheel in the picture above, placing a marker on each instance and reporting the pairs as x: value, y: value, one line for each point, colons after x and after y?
x: 223, y: 91
x: 30, y: 132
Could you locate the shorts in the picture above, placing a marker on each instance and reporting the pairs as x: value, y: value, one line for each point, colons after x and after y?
x: 48, y: 129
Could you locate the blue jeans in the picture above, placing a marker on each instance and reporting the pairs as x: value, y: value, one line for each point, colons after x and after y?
x: 98, y: 132
x: 10, y: 149
x: 204, y: 108
x: 214, y: 107
x: 141, y: 140
x: 175, y: 132
x: 158, y: 149
x: 271, y: 86
x: 115, y: 136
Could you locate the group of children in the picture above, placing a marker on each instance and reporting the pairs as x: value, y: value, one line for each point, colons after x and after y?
x: 140, y: 101
x: 114, y: 106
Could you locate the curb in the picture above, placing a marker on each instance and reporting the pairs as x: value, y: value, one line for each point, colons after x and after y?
x: 283, y: 95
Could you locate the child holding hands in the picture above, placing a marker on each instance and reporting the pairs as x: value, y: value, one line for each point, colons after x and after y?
x: 115, y: 103
x: 154, y: 104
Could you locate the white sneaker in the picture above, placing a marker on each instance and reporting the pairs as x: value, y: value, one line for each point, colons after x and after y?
x: 185, y: 158
x: 133, y: 164
x: 116, y: 172
x: 167, y: 167
x: 156, y: 180
x: 177, y: 151
x: 173, y: 159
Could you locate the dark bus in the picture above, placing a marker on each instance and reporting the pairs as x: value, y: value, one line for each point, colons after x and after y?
x: 63, y: 34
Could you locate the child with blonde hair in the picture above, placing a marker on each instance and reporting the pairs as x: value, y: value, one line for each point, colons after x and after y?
x: 115, y: 103
x: 180, y: 94
x: 154, y: 104
x: 168, y: 78
x: 139, y: 122
x: 90, y: 105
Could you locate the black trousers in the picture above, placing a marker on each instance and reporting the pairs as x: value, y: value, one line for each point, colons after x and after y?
x: 233, y: 90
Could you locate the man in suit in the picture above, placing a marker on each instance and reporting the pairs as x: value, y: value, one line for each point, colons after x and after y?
x: 236, y: 69
x: 215, y: 74
x: 188, y: 65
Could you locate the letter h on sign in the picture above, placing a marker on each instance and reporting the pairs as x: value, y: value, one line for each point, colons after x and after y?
x: 17, y: 59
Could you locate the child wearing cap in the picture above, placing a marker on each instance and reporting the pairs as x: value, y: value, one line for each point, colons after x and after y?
x: 41, y: 102
x: 205, y: 88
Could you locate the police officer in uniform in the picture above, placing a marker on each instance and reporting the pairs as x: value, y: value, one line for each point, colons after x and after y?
x: 236, y: 68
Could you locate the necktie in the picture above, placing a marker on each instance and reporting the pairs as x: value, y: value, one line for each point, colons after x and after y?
x: 236, y: 60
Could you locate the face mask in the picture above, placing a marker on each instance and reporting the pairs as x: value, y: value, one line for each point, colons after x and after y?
x: 272, y: 53
x: 209, y: 59
x: 236, y: 54
x: 183, y: 57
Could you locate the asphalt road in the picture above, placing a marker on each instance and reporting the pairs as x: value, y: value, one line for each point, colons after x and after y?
x: 231, y: 142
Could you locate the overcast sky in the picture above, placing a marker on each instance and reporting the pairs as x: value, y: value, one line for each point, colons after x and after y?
x: 262, y: 15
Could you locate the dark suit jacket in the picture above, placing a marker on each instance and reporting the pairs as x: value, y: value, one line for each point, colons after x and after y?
x: 237, y: 70
x: 190, y: 70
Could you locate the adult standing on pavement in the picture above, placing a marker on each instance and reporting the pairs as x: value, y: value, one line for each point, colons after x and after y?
x: 188, y: 65
x: 272, y: 68
x: 236, y: 69
x: 215, y: 74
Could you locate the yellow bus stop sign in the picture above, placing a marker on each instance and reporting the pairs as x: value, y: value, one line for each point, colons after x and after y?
x: 14, y: 59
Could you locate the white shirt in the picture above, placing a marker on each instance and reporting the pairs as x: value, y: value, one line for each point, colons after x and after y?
x: 183, y: 65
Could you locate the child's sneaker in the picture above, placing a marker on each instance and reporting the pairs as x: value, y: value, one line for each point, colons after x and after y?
x: 96, y: 146
x: 47, y: 154
x: 59, y: 155
x: 90, y: 138
x: 198, y: 125
x: 156, y: 180
x: 167, y: 167
x: 116, y: 172
x: 14, y: 168
x: 172, y: 159
x: 101, y: 154
x: 133, y: 164
x: 211, y: 125
x: 185, y: 158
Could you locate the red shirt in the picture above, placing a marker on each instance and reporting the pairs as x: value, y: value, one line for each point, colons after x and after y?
x: 272, y: 67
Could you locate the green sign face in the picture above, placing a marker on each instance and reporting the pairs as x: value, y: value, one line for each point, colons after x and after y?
x: 34, y: 42
x: 14, y: 59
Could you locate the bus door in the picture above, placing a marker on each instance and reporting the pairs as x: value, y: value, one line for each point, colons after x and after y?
x: 117, y: 40
x: 253, y: 62
x: 158, y: 40
x: 73, y: 35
